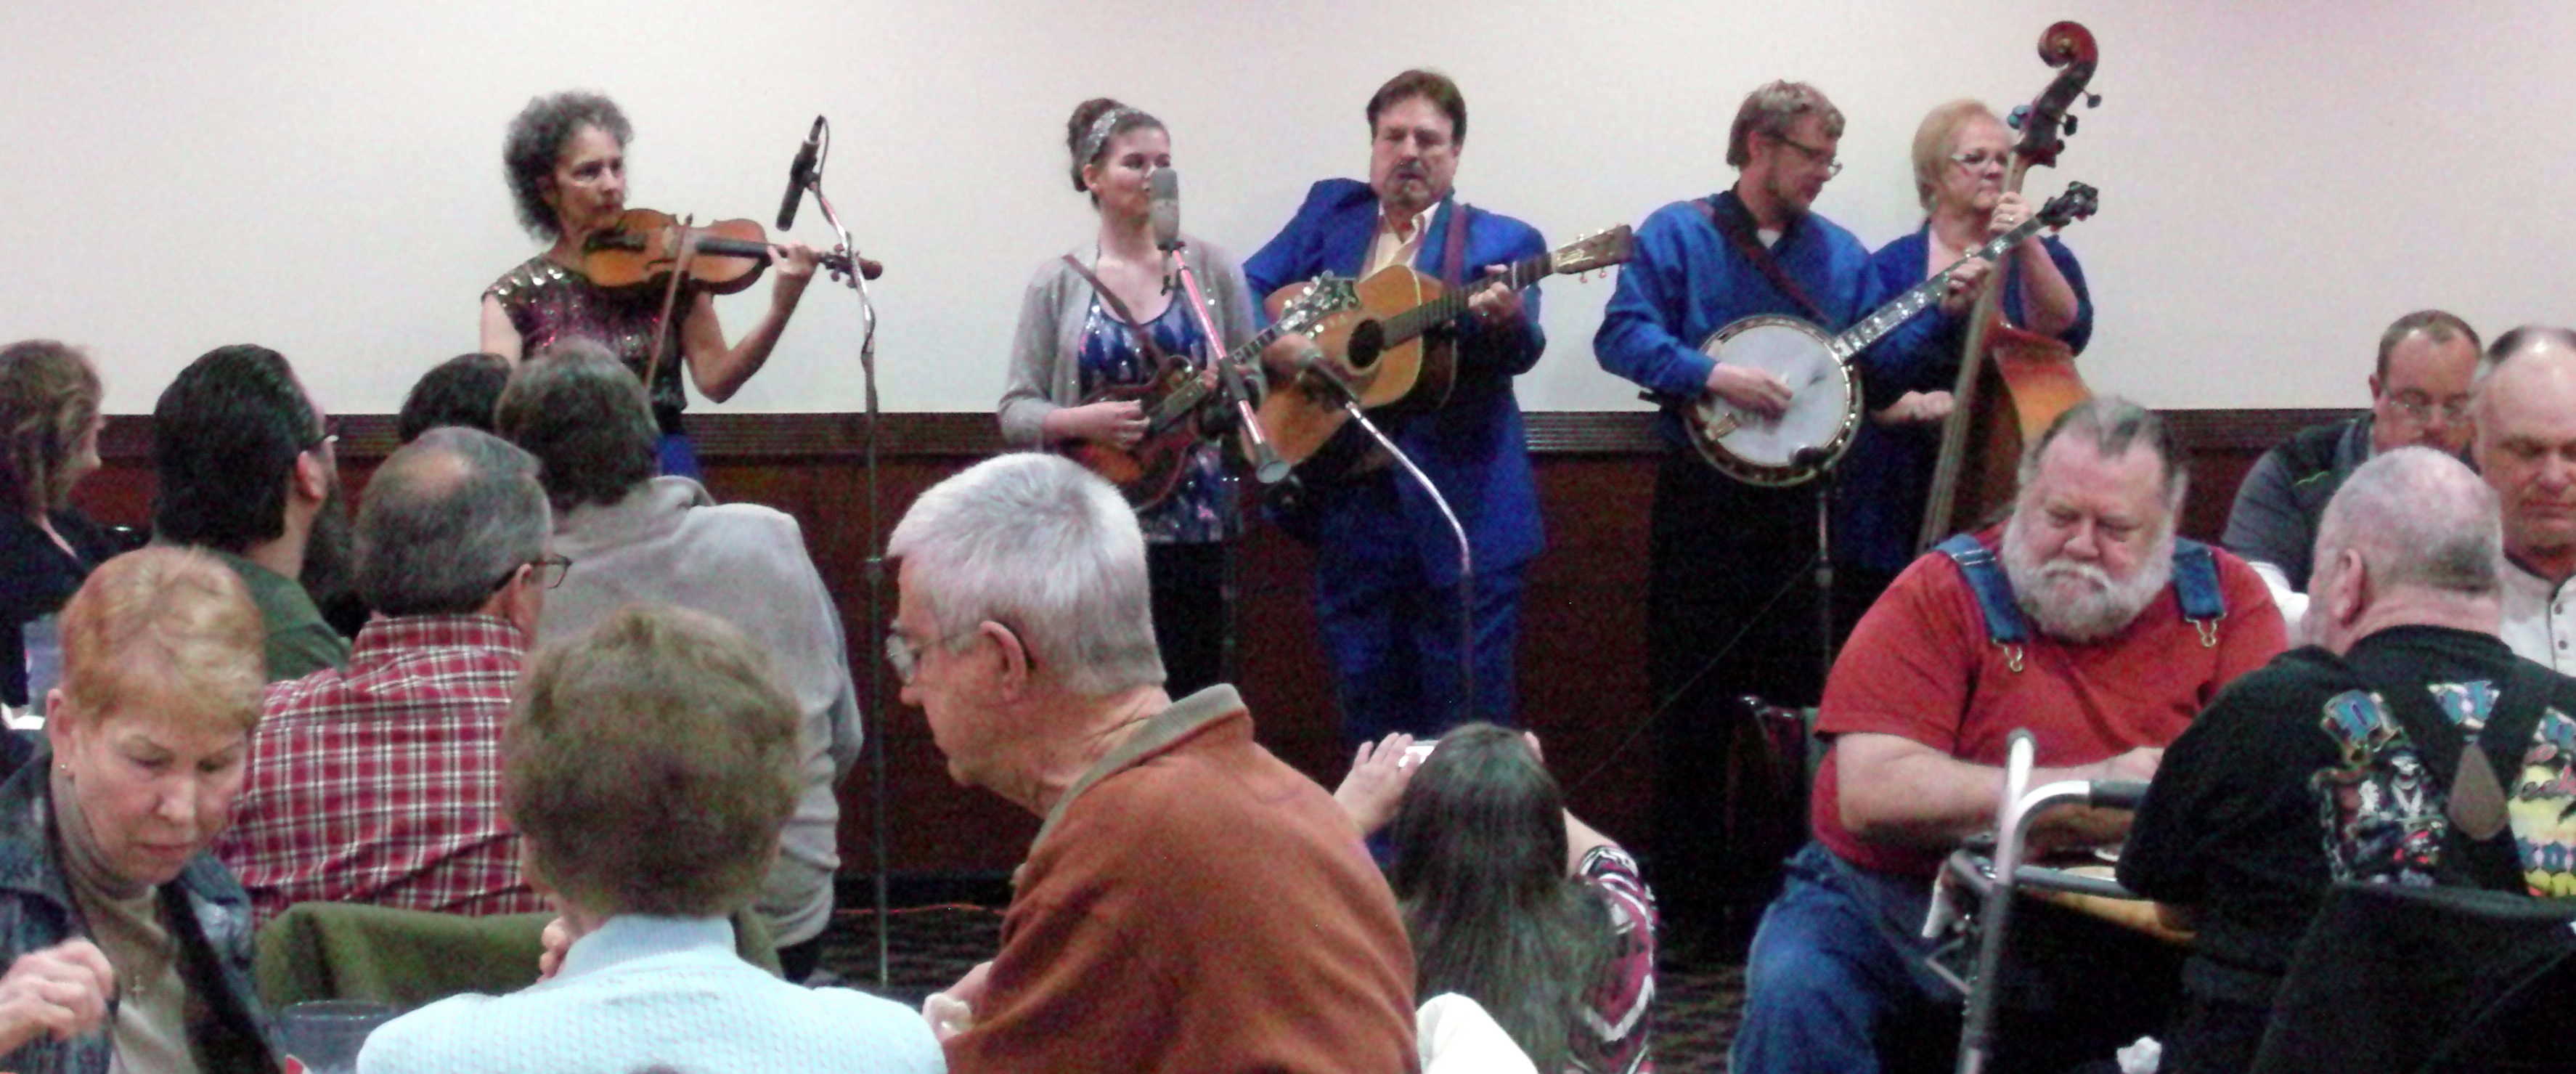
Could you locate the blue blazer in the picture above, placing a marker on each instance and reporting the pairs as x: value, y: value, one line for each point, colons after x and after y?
x: 1475, y: 449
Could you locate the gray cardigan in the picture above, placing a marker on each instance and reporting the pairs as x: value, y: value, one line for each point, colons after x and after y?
x: 1044, y: 372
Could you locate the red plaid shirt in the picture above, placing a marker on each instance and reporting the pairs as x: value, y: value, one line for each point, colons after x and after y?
x: 382, y: 784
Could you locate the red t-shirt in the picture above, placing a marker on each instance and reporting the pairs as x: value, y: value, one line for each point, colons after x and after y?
x: 1920, y: 666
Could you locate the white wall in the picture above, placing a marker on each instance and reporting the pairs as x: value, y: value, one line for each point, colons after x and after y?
x: 2279, y: 179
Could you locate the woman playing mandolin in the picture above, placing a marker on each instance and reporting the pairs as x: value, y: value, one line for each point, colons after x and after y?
x: 566, y: 162
x: 1096, y: 327
x: 1961, y: 155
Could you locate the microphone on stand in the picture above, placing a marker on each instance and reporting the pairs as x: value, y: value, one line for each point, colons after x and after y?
x: 800, y: 174
x: 1165, y: 208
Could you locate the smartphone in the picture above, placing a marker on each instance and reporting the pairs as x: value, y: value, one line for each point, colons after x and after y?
x: 1414, y: 753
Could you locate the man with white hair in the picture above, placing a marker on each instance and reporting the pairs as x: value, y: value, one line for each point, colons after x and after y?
x: 1191, y: 903
x: 2526, y: 447
x: 2084, y: 619
x: 2371, y: 729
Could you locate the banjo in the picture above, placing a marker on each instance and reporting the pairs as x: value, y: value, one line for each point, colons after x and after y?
x: 1803, y: 440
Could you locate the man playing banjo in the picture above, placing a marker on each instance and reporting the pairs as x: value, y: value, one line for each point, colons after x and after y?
x: 1730, y: 560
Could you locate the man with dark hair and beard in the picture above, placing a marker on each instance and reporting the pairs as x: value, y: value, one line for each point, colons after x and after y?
x: 2084, y: 619
x: 247, y: 471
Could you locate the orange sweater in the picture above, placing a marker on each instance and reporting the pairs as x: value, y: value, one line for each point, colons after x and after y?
x: 1204, y: 908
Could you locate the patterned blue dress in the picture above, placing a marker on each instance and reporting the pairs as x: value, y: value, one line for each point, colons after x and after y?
x: 1204, y: 507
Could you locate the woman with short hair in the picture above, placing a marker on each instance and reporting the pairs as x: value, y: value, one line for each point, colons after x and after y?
x: 648, y: 764
x: 565, y: 158
x: 129, y: 945
x: 1511, y: 901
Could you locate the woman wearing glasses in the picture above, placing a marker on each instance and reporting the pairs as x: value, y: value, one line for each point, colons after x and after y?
x: 1961, y: 154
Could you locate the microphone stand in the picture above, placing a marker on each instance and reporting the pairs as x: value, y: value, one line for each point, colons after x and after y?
x: 1267, y: 466
x: 874, y: 718
x: 1316, y: 372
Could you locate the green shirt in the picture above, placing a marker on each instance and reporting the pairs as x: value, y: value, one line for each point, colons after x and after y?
x: 299, y: 642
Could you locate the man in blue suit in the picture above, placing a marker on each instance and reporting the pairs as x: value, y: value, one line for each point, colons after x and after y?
x: 1386, y: 587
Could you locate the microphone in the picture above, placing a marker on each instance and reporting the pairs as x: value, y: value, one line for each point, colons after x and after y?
x: 1807, y: 457
x: 1313, y: 371
x: 800, y: 175
x: 1166, y: 208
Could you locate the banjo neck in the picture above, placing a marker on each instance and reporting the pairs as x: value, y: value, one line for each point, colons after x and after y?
x: 1922, y: 296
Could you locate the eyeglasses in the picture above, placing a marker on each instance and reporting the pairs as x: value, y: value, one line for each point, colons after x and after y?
x: 2419, y: 408
x: 1979, y: 158
x: 902, y: 652
x: 1833, y: 167
x: 545, y: 572
x: 330, y: 435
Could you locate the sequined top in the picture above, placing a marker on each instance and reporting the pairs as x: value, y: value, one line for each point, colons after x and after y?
x: 1202, y: 507
x: 547, y: 302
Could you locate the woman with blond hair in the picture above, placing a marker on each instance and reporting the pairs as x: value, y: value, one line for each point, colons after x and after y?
x: 128, y: 945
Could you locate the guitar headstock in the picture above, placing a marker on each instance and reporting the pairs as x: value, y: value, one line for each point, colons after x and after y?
x: 1598, y: 250
x: 1323, y: 297
x: 2077, y: 203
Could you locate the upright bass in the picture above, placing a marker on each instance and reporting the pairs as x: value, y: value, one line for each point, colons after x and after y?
x: 2012, y: 383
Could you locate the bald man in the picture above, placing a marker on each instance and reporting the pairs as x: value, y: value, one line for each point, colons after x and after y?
x: 2362, y: 729
x: 2526, y: 446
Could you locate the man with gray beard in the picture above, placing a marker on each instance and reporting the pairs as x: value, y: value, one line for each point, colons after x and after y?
x: 2084, y: 619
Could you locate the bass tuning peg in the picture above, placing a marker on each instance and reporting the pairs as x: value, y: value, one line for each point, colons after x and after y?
x: 2092, y: 100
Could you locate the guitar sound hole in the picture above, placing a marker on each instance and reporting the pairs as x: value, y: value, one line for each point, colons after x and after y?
x: 1368, y: 339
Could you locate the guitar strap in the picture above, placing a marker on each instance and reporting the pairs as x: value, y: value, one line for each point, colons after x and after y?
x: 1753, y: 250
x: 1453, y: 259
x: 1144, y: 340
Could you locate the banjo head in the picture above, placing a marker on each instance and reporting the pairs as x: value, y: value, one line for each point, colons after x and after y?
x: 1823, y: 412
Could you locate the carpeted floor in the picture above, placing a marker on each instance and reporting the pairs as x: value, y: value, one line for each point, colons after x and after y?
x: 930, y: 947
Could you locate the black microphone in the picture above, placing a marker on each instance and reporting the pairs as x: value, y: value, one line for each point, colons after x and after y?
x: 1313, y: 371
x: 1807, y: 458
x: 1165, y: 207
x: 800, y: 174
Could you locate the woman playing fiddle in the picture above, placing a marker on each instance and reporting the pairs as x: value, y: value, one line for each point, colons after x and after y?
x: 566, y: 162
x: 1961, y: 156
x: 1084, y: 327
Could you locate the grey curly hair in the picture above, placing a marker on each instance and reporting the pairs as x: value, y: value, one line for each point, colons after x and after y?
x: 536, y: 139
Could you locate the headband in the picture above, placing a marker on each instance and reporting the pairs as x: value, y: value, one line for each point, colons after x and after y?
x: 1099, y: 133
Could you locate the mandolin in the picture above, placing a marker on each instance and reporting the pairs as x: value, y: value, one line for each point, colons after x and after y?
x: 1388, y: 349
x: 1148, y: 472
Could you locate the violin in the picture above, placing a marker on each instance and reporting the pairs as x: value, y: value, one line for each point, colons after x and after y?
x: 723, y: 257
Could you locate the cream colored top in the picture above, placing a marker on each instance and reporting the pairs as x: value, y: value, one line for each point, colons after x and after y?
x: 150, y: 1026
x: 1390, y: 248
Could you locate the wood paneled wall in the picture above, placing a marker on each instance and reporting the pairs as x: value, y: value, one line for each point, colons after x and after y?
x: 1582, y: 662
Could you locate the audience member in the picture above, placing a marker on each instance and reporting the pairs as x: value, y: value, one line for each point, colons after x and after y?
x: 2526, y: 447
x: 2419, y: 396
x: 632, y: 537
x: 650, y: 763
x: 1511, y: 901
x: 462, y: 390
x: 129, y: 947
x: 2335, y: 762
x: 1191, y: 903
x: 2083, y: 618
x: 246, y: 471
x: 379, y: 784
x: 49, y: 422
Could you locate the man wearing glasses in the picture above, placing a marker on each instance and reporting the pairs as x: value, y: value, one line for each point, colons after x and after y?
x: 1729, y: 608
x: 380, y: 784
x: 637, y: 537
x: 247, y: 470
x: 2419, y: 397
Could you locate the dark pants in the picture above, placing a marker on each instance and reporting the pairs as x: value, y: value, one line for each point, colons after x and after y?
x: 1730, y: 612
x: 1193, y: 624
x: 1392, y: 627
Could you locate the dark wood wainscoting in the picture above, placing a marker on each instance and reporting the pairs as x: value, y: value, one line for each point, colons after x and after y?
x: 1582, y: 661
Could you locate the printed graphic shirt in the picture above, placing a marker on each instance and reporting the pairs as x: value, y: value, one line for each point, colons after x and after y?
x: 2299, y: 776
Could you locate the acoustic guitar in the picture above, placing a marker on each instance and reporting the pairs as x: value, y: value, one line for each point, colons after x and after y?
x: 1390, y: 349
x: 1148, y: 472
x: 1801, y: 442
